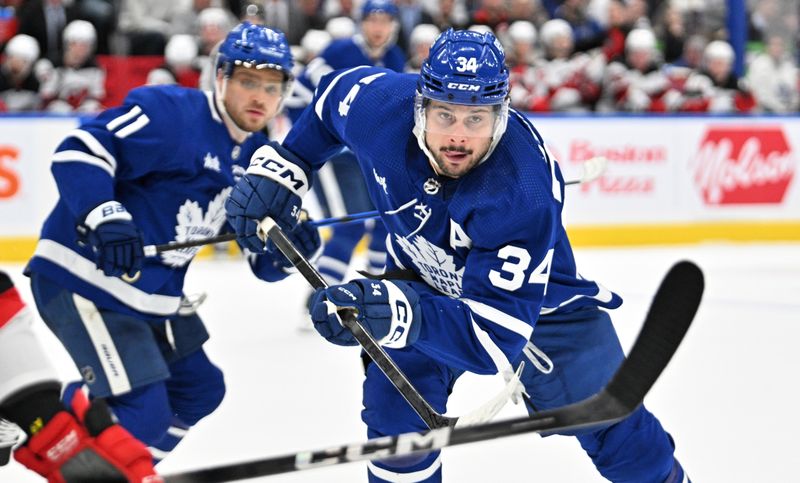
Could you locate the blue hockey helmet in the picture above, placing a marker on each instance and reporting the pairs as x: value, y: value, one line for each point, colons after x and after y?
x: 255, y: 47
x: 465, y: 67
x: 379, y: 6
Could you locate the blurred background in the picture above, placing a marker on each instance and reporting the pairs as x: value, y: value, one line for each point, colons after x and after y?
x: 692, y: 102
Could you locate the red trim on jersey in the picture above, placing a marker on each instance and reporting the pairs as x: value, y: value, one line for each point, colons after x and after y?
x: 10, y: 305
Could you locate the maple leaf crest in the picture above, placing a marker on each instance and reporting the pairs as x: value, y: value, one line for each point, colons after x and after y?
x: 434, y: 264
x: 193, y: 224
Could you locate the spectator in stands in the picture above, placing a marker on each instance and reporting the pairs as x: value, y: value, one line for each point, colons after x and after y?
x: 692, y: 55
x: 303, y: 16
x: 420, y: 42
x: 617, y: 28
x: 19, y: 87
x: 253, y: 13
x: 451, y: 13
x: 313, y: 43
x: 587, y: 32
x: 341, y: 27
x: 639, y: 84
x: 44, y: 20
x: 519, y: 41
x: 147, y: 24
x: 76, y: 82
x: 180, y: 63
x: 564, y: 81
x: 293, y: 17
x: 773, y: 77
x: 716, y: 88
x: 492, y: 13
x: 213, y: 24
x: 340, y: 8
x: 410, y: 14
x: 528, y: 10
x: 672, y: 34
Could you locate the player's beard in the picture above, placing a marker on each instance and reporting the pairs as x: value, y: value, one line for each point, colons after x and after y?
x: 445, y: 167
x: 244, y: 123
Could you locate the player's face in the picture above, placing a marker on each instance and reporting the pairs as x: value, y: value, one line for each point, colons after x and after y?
x: 457, y: 135
x: 253, y: 97
x: 377, y: 29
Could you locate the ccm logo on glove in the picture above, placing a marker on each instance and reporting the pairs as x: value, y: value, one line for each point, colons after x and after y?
x: 267, y: 162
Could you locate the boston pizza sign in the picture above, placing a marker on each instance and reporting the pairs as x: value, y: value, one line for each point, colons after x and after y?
x: 743, y: 165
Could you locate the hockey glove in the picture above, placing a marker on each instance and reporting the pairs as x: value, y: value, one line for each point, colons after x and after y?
x: 114, y: 238
x: 388, y: 310
x: 273, y: 187
x: 305, y: 237
x: 84, y: 444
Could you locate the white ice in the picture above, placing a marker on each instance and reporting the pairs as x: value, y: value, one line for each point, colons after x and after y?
x: 730, y: 397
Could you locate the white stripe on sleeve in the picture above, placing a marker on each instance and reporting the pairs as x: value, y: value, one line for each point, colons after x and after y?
x: 119, y: 121
x: 94, y: 146
x: 131, y: 128
x: 82, y: 157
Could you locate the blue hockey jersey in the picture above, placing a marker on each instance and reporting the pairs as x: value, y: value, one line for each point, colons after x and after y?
x: 340, y: 54
x: 490, y: 245
x: 166, y: 155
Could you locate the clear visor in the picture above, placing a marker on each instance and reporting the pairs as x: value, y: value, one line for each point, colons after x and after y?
x: 474, y: 121
x: 271, y: 89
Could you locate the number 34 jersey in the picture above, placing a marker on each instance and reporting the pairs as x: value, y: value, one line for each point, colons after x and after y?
x: 490, y: 245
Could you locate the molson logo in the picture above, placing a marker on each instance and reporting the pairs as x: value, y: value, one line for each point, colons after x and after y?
x: 743, y: 165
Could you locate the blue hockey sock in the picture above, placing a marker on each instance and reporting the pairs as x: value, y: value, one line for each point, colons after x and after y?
x: 175, y: 433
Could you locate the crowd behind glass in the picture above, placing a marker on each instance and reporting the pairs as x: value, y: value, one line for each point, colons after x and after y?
x: 565, y: 55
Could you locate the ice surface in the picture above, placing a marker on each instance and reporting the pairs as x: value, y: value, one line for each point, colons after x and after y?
x: 729, y: 397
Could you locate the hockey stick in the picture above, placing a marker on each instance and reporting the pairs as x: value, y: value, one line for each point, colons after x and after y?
x: 669, y: 317
x: 590, y: 170
x: 154, y: 250
x: 426, y: 412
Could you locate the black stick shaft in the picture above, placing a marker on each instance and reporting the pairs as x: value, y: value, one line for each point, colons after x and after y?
x: 153, y: 250
x: 378, y: 355
x: 670, y: 315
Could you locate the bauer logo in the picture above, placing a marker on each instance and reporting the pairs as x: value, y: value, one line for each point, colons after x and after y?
x: 743, y: 165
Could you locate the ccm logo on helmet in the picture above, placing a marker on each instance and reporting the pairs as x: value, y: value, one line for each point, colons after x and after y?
x: 462, y: 87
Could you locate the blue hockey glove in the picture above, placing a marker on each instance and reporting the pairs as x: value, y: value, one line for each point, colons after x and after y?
x: 114, y: 238
x: 305, y: 237
x: 389, y: 310
x: 273, y: 187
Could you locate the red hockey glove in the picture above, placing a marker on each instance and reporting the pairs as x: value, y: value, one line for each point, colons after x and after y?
x: 84, y: 444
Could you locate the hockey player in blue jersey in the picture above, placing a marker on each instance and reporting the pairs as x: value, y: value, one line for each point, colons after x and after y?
x: 340, y: 186
x: 481, y: 275
x: 156, y: 169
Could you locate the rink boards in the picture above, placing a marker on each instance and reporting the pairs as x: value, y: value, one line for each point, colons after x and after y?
x: 670, y: 179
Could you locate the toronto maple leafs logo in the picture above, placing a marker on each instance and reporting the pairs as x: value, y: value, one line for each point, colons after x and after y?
x: 193, y: 224
x: 434, y: 265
